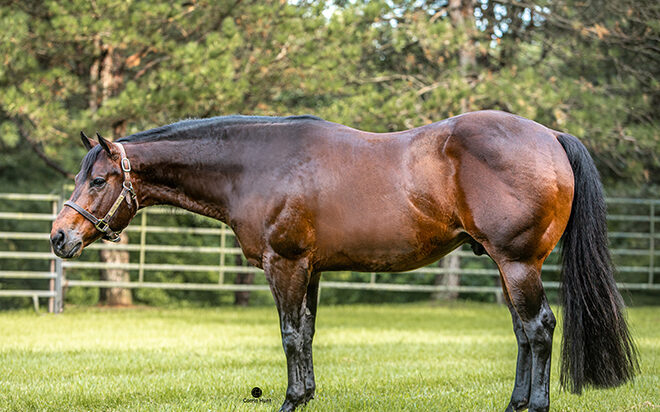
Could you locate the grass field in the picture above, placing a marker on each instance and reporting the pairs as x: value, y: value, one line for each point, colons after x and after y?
x: 374, y: 358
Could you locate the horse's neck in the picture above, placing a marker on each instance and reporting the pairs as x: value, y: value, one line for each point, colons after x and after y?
x: 189, y: 175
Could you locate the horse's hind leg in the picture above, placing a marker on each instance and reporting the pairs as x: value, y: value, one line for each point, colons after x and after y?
x: 289, y: 280
x: 522, y: 386
x: 525, y: 292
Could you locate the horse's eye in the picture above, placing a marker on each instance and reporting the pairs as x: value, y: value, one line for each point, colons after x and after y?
x: 98, y: 182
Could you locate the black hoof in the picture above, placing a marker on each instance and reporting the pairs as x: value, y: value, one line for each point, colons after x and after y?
x: 291, y: 405
x: 287, y: 406
x: 309, y: 392
x: 515, y: 406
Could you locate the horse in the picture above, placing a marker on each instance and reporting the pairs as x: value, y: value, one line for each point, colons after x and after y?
x: 304, y: 195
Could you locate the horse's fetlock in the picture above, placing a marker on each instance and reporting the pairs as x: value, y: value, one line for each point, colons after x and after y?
x: 543, y: 405
x: 517, y: 404
x: 296, y: 393
x: 310, y: 390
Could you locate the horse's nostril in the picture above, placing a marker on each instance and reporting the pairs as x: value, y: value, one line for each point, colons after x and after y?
x: 57, y: 240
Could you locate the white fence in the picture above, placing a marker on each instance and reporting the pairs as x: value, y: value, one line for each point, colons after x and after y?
x: 24, y: 246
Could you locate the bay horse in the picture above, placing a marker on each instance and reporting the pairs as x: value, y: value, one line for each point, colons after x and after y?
x: 304, y: 195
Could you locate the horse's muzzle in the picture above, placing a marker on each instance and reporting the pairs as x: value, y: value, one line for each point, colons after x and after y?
x: 66, y: 245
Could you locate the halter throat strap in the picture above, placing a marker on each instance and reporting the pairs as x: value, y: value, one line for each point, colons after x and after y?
x: 127, y: 194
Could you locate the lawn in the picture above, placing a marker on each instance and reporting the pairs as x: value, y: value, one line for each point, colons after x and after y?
x: 459, y: 357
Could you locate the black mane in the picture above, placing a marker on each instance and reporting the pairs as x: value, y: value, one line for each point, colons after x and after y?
x: 177, y: 131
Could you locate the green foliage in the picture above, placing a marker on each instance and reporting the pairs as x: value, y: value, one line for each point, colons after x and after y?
x: 590, y: 69
x: 120, y: 67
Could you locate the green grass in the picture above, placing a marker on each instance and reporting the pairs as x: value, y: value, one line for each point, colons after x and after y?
x: 374, y: 358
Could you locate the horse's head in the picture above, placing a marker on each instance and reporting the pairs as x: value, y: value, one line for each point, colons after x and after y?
x: 102, y: 203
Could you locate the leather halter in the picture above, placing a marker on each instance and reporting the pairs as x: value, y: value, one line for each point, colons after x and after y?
x: 127, y: 193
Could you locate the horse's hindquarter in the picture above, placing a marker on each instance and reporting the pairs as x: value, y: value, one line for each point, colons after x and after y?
x: 514, y: 183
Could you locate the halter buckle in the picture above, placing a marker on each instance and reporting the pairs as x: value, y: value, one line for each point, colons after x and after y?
x: 102, y: 225
x: 125, y: 164
x: 112, y: 237
x: 129, y: 186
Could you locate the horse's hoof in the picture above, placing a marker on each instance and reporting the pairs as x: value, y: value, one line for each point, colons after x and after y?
x: 515, y: 406
x: 287, y: 406
x: 308, y: 397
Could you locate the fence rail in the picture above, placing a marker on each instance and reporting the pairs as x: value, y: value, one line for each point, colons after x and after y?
x: 628, y: 246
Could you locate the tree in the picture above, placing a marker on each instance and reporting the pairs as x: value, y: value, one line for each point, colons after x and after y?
x: 587, y: 68
x: 119, y: 67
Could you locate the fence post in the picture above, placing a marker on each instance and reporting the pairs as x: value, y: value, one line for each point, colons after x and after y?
x: 58, y: 303
x: 51, y: 287
x: 651, y: 242
x: 59, y: 298
x: 51, y: 282
x: 143, y: 242
x: 223, y: 245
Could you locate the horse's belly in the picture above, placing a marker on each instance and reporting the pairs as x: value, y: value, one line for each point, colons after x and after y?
x: 398, y: 251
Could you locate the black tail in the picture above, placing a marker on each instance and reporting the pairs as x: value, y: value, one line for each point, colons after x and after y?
x: 597, y: 349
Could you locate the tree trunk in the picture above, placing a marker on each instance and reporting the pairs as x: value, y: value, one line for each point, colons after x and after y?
x: 461, y: 14
x: 115, y: 296
x: 242, y: 298
x: 499, y: 296
x: 109, y: 75
x: 451, y: 278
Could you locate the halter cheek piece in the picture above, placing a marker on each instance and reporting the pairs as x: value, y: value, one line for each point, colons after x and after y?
x: 127, y: 193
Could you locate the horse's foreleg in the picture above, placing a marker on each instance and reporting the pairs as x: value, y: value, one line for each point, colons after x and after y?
x: 521, y: 388
x: 289, y: 282
x: 308, y: 334
x: 523, y: 283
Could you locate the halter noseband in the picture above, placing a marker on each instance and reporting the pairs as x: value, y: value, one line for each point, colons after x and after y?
x: 127, y: 193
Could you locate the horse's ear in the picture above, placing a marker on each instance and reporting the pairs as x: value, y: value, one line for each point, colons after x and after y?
x: 106, y: 145
x: 86, y: 141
